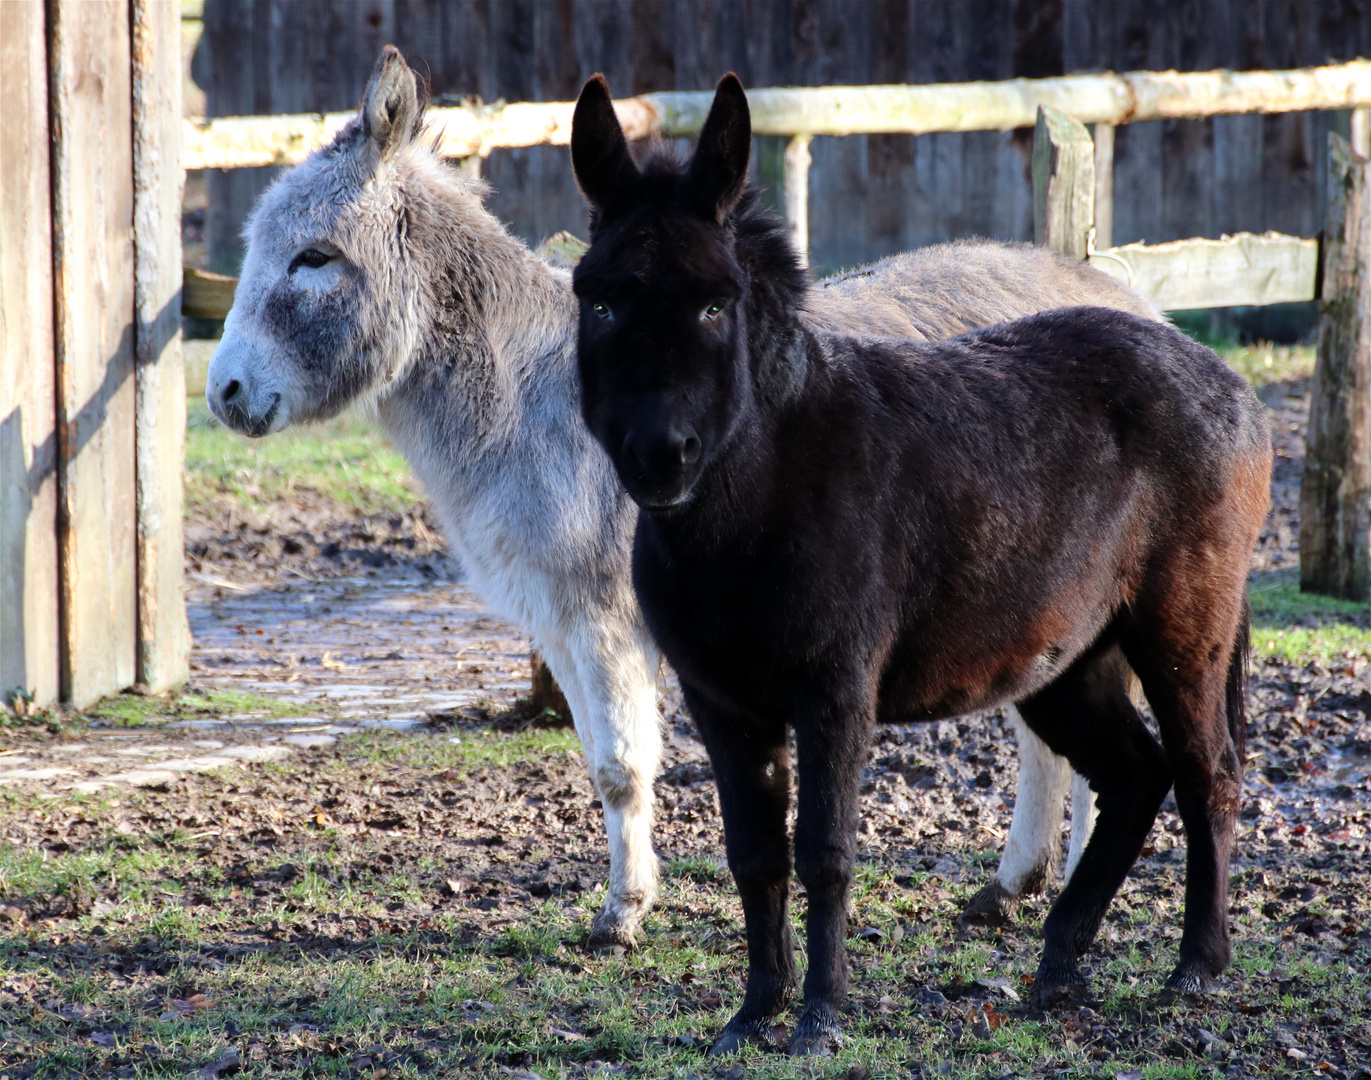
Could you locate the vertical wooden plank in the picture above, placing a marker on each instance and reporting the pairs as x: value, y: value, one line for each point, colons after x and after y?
x: 1335, y: 491
x: 92, y: 183
x: 28, y: 437
x: 160, y: 387
x: 889, y: 158
x: 1137, y: 45
x: 1237, y: 179
x: 1063, y: 183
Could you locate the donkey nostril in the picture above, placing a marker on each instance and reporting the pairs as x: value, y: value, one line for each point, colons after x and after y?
x: 690, y: 450
x: 231, y: 390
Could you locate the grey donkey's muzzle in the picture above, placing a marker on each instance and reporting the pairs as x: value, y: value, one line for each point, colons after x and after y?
x: 228, y: 399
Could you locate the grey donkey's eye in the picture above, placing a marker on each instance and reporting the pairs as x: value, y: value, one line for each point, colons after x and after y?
x: 310, y: 257
x: 713, y: 311
x: 601, y: 310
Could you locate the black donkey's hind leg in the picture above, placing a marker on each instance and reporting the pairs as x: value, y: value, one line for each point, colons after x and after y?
x: 751, y: 767
x: 1196, y: 688
x: 1087, y: 717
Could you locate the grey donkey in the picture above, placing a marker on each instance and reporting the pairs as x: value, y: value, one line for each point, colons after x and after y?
x: 375, y: 276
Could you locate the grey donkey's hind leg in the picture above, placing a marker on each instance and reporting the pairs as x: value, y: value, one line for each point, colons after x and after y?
x: 1032, y: 850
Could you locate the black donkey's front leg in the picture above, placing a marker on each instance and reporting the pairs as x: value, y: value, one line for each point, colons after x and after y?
x: 830, y: 753
x: 753, y: 774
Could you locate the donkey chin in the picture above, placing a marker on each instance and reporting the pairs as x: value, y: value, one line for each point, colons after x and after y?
x: 657, y: 491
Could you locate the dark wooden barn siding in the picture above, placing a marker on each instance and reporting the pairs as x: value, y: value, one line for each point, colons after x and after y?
x: 870, y: 195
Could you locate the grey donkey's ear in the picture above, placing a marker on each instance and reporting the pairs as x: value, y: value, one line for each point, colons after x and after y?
x: 599, y: 151
x: 718, y: 170
x: 390, y: 103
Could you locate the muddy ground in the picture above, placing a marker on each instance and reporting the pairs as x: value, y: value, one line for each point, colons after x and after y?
x: 361, y: 620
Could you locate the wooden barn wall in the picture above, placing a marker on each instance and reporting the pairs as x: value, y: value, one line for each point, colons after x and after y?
x: 869, y: 195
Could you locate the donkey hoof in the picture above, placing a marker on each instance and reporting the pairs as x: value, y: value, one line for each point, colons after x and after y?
x: 614, y: 937
x: 993, y: 905
x: 740, y: 1034
x: 1190, y: 978
x: 817, y: 1034
x: 1055, y: 988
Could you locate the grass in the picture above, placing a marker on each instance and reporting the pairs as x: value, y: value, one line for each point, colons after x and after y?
x: 1304, y: 628
x: 1264, y: 363
x: 347, y: 459
x: 205, y: 966
x: 137, y: 710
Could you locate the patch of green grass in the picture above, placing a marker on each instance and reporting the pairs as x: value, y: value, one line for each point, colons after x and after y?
x: 464, y: 752
x: 1298, y: 627
x: 138, y: 710
x: 347, y: 459
x: 1264, y: 363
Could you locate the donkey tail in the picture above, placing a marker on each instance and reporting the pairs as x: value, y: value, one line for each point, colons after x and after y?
x: 1236, y: 703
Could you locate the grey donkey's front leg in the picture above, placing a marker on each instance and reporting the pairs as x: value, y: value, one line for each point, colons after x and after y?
x: 611, y: 688
x: 1033, y: 847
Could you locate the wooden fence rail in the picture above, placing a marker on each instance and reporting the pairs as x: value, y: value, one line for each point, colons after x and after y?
x: 474, y: 130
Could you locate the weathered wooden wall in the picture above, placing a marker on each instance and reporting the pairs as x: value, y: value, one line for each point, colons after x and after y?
x: 869, y: 195
x: 92, y: 392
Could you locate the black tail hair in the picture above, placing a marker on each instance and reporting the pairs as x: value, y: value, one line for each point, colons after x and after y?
x: 1236, y: 704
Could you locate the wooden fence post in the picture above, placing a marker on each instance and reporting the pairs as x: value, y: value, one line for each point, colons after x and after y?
x: 92, y: 218
x: 1335, y: 492
x: 1104, y: 186
x: 29, y: 635
x: 797, y: 162
x: 1063, y: 183
x: 163, y: 634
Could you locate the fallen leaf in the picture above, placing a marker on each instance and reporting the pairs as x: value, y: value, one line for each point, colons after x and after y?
x: 228, y: 1063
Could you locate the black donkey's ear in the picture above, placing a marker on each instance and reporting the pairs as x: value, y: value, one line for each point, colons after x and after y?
x: 599, y: 152
x: 718, y: 170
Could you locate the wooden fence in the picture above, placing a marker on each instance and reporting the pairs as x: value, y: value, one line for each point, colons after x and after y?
x: 92, y: 396
x: 1073, y: 212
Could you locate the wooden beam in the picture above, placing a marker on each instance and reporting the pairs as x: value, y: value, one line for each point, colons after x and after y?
x: 29, y: 633
x: 90, y: 104
x: 205, y: 294
x: 466, y: 131
x: 238, y: 142
x: 1241, y: 269
x: 1335, y: 491
x: 1063, y: 183
x: 160, y: 417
